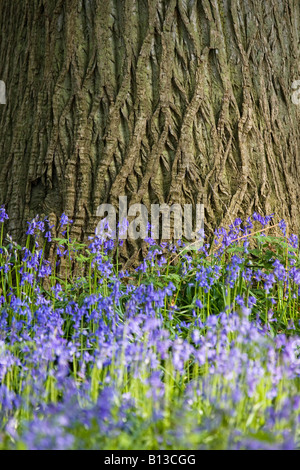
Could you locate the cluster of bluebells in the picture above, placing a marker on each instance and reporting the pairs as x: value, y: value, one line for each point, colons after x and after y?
x: 84, y: 364
x: 243, y: 365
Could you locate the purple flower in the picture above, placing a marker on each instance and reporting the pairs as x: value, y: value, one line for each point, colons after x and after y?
x: 3, y: 214
x: 282, y: 226
x: 64, y: 220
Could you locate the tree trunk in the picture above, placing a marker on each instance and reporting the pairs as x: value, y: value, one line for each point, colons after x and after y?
x: 159, y: 100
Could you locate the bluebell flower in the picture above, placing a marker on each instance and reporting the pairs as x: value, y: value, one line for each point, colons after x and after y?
x: 282, y: 226
x: 3, y: 214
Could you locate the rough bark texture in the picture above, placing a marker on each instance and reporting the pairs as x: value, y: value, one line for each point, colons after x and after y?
x: 160, y: 100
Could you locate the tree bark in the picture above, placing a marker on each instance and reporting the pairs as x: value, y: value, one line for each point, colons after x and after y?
x: 159, y: 100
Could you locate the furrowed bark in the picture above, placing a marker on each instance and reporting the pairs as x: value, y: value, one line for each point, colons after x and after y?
x: 159, y: 100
